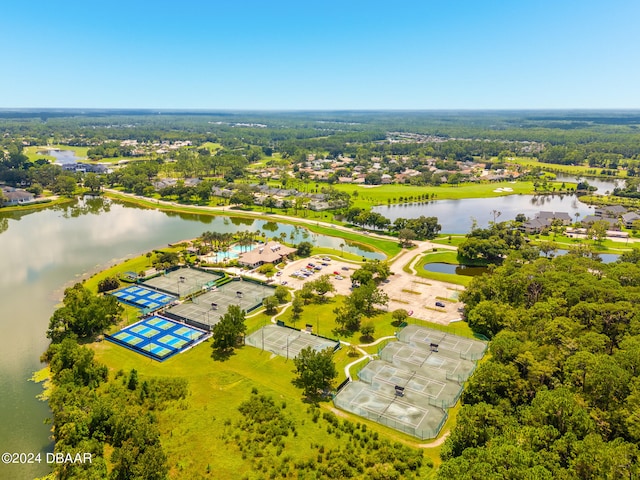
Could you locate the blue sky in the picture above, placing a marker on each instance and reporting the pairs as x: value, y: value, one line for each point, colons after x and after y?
x: 443, y: 54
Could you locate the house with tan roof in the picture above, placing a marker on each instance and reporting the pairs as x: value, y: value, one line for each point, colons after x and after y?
x: 270, y: 252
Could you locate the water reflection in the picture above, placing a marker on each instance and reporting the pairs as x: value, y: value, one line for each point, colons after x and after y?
x: 63, y: 157
x: 439, y: 267
x: 458, y: 216
x: 88, y: 205
x: 455, y: 269
x: 602, y: 185
x: 605, y: 257
x: 240, y: 221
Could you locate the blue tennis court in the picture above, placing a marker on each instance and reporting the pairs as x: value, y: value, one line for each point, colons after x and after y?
x: 158, y: 337
x: 143, y: 297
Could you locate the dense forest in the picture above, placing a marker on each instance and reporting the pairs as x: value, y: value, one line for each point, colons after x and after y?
x: 597, y: 136
x: 560, y: 395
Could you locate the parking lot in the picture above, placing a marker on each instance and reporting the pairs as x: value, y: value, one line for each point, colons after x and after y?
x: 343, y: 268
x: 412, y: 293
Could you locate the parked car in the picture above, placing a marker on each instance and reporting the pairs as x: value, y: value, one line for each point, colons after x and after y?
x: 278, y: 274
x: 336, y: 273
x: 339, y: 277
x: 345, y: 268
x: 440, y: 304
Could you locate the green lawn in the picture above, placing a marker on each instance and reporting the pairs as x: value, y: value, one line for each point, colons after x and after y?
x: 610, y: 200
x: 565, y: 242
x: 389, y: 194
x: 578, y: 170
x: 212, y: 146
x: 32, y: 152
x: 193, y: 430
x: 322, y: 318
x: 453, y: 240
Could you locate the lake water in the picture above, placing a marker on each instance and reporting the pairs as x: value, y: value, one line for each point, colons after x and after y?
x: 63, y: 157
x: 44, y: 252
x: 457, y: 216
x: 602, y: 185
x: 440, y: 267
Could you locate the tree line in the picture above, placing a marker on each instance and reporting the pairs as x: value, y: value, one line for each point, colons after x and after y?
x: 559, y: 396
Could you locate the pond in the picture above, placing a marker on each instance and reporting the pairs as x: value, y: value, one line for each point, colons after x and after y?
x: 63, y: 157
x: 458, y: 216
x: 602, y: 185
x: 605, y: 257
x: 469, y: 271
x: 456, y: 269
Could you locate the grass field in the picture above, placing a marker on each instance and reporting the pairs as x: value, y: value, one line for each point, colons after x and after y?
x: 192, y: 430
x: 212, y: 146
x: 32, y: 152
x: 453, y: 240
x: 388, y: 194
x: 564, y: 242
x: 610, y: 200
x: 578, y: 170
x: 80, y: 152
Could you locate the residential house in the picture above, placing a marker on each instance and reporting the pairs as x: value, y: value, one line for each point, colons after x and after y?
x: 544, y: 220
x: 613, y: 211
x: 16, y: 196
x: 628, y: 219
x: 385, y: 178
x: 563, y: 217
x: 613, y: 223
x: 533, y: 226
x: 318, y: 205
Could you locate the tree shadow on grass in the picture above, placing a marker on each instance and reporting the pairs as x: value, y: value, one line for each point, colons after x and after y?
x: 317, y: 399
x: 397, y: 323
x: 222, y: 355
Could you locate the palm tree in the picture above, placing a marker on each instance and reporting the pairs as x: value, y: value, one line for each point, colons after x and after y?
x: 342, y: 249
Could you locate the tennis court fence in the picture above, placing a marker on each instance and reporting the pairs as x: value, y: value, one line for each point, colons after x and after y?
x: 423, y: 433
x: 194, y: 323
